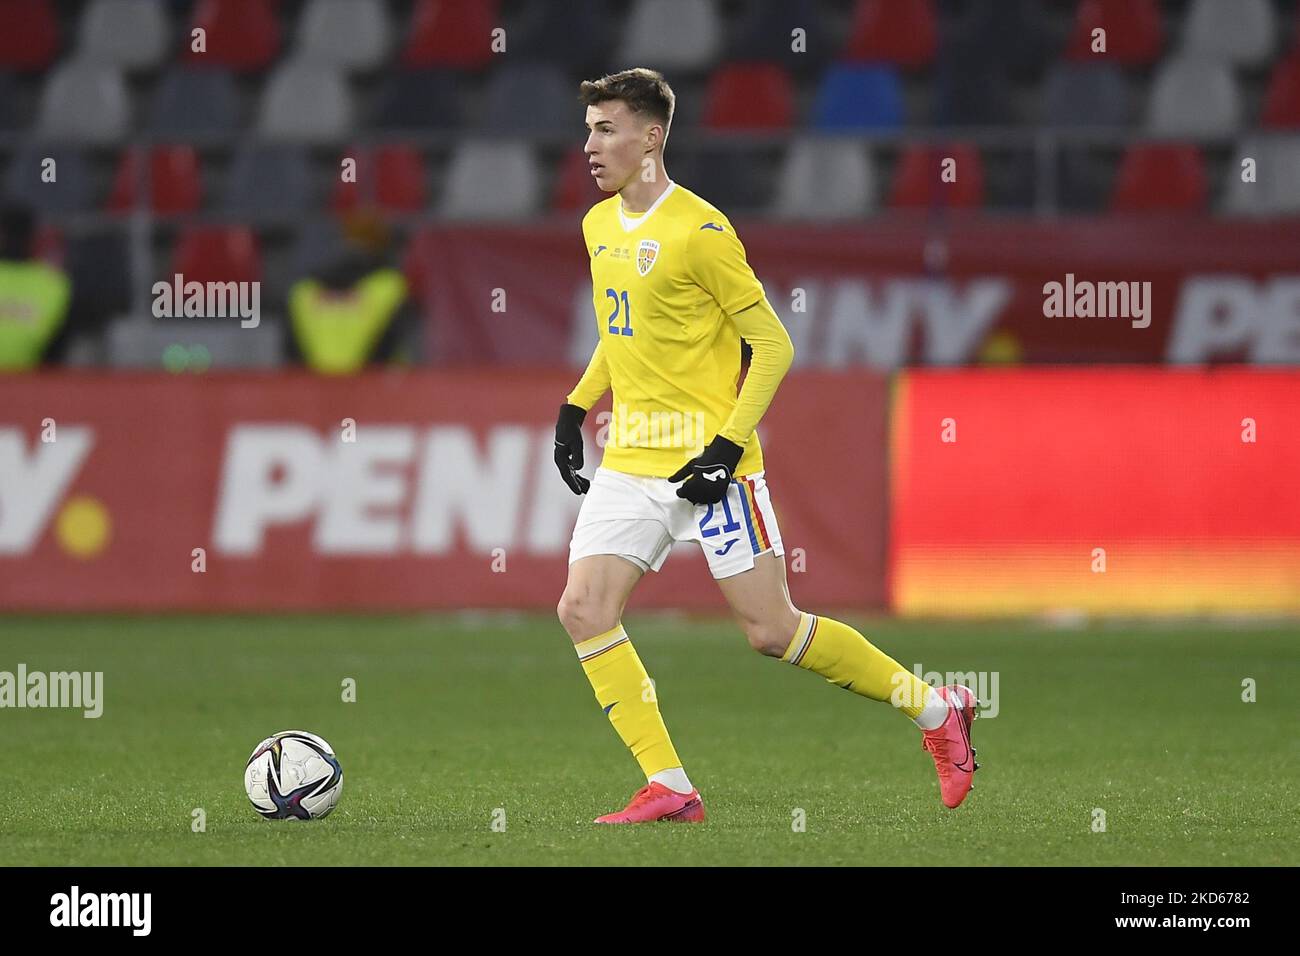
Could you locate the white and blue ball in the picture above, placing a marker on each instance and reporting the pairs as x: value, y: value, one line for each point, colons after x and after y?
x: 293, y: 775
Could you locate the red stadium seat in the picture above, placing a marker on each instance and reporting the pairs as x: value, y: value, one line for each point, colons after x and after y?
x: 218, y: 254
x: 918, y: 181
x: 48, y: 245
x: 390, y: 177
x: 902, y: 32
x: 1161, y: 176
x: 755, y: 96
x: 29, y: 38
x: 175, y: 184
x: 1282, y: 102
x: 1134, y: 33
x: 451, y: 34
x: 242, y: 35
x: 574, y: 186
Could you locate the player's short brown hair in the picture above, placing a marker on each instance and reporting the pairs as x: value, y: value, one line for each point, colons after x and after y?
x: 644, y: 91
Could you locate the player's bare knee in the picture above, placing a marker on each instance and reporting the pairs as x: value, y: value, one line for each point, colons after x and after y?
x: 771, y: 635
x: 583, y: 615
x: 767, y: 638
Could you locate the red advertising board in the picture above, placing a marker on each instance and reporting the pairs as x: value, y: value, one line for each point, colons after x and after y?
x: 907, y: 290
x: 411, y: 490
x: 1125, y: 490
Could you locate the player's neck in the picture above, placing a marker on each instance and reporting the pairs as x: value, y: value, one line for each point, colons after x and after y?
x: 638, y: 196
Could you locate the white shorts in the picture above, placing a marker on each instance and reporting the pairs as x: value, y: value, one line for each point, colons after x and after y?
x: 639, y: 518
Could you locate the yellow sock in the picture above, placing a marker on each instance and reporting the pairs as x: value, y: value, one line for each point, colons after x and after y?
x: 627, y: 696
x: 847, y: 659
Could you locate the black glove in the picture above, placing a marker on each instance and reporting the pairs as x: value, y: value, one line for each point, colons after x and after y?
x: 568, y: 447
x: 710, y: 473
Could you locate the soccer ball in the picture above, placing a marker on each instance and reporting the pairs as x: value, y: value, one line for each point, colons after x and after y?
x: 293, y: 775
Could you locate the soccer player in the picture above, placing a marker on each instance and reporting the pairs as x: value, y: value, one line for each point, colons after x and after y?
x: 674, y: 296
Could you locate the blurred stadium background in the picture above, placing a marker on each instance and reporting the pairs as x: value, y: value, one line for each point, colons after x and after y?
x: 404, y: 181
x: 376, y: 437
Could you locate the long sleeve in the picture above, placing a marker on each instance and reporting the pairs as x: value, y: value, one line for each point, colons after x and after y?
x: 594, y: 382
x: 772, y: 354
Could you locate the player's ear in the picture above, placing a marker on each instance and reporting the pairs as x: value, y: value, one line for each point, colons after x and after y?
x: 654, y: 136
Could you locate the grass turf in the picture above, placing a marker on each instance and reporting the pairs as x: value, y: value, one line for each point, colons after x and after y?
x: 457, y: 716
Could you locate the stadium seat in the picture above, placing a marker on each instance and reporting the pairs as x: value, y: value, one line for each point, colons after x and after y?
x: 69, y: 192
x: 128, y: 34
x: 194, y: 101
x: 175, y: 182
x: 727, y: 176
x: 530, y: 97
x: 1276, y: 189
x: 547, y: 33
x: 1282, y: 101
x: 491, y: 180
x: 272, y: 179
x: 99, y: 264
x: 1193, y: 97
x: 1240, y: 33
x: 419, y: 99
x: 575, y: 188
x: 1161, y: 176
x: 765, y: 33
x: 48, y: 245
x: 454, y: 35
x: 317, y: 248
x: 217, y: 254
x: 749, y: 96
x: 391, y: 176
x: 858, y: 97
x: 918, y: 181
x: 675, y: 35
x: 9, y: 118
x: 971, y: 87
x: 902, y: 32
x: 1134, y: 33
x: 1086, y: 94
x: 825, y: 179
x: 346, y: 34
x: 241, y: 35
x: 305, y: 103
x: 30, y: 38
x: 1085, y: 179
x: 85, y: 102
x: 1015, y: 35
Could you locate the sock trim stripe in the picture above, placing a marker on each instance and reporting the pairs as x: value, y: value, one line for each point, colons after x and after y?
x: 797, y: 656
x: 812, y: 632
x: 594, y: 652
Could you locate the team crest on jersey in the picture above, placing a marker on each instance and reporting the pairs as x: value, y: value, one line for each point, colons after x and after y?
x: 646, y: 254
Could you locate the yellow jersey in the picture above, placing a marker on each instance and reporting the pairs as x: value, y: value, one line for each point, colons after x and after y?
x: 673, y: 295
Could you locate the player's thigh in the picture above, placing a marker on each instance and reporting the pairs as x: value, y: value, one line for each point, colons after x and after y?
x: 760, y: 599
x: 596, y: 593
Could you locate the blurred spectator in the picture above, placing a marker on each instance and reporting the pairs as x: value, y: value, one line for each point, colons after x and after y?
x: 354, y: 309
x: 34, y: 296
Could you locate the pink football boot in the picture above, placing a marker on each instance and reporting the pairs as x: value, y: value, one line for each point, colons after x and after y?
x: 654, y: 802
x: 949, y: 744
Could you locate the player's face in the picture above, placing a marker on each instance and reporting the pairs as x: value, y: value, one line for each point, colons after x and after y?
x: 616, y: 144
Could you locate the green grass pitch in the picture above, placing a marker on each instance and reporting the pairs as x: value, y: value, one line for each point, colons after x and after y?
x: 459, y: 715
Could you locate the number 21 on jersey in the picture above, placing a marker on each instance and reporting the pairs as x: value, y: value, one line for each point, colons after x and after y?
x: 614, y: 327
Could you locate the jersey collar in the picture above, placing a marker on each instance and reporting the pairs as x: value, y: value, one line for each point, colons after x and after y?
x: 630, y: 224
